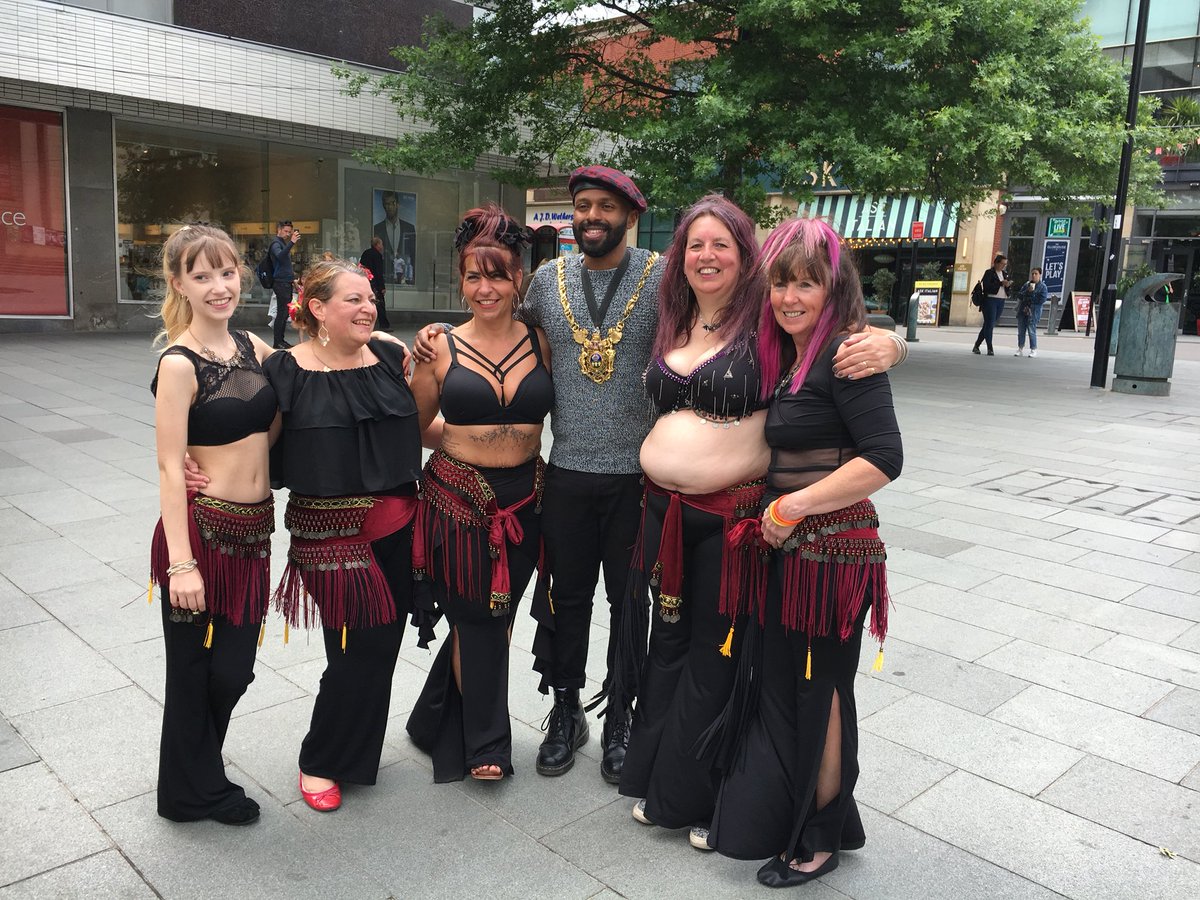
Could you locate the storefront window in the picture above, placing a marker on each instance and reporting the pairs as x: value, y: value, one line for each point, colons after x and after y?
x: 167, y: 177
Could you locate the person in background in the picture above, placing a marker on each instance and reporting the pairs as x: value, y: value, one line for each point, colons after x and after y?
x: 1030, y: 299
x: 995, y: 286
x: 372, y: 261
x: 286, y: 238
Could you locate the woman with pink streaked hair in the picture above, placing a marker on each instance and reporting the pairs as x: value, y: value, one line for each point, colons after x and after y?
x: 699, y: 553
x: 788, y: 789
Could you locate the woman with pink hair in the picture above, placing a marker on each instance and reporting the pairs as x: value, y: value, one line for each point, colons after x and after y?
x: 788, y: 789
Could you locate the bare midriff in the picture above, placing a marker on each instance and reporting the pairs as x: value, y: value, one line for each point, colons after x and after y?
x: 686, y: 453
x: 238, y: 471
x: 492, y: 446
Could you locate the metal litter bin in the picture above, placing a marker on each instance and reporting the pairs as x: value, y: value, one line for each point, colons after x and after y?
x: 1146, y: 350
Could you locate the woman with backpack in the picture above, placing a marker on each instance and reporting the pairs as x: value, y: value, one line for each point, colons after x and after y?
x: 995, y: 288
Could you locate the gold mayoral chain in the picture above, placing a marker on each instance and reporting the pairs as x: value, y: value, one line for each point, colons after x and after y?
x: 597, y: 354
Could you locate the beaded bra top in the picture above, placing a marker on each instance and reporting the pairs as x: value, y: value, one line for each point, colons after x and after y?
x: 722, y: 390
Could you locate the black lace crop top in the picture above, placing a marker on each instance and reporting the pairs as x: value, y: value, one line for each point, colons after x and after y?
x: 346, y: 432
x: 828, y: 422
x: 468, y: 398
x: 723, y: 388
x: 233, y: 400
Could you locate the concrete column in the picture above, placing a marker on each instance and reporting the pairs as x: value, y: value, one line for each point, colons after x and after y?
x: 92, y: 220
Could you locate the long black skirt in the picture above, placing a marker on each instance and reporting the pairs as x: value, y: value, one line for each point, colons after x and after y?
x: 766, y: 804
x: 685, y: 680
x: 462, y: 729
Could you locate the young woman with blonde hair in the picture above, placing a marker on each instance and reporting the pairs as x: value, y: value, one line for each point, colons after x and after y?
x: 210, y: 552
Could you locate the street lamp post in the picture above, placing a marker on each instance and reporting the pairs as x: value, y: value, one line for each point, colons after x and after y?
x: 1108, y: 300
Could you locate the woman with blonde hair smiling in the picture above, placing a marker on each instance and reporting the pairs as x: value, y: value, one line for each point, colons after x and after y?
x: 210, y: 551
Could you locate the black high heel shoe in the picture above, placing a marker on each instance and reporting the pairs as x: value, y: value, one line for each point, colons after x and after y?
x: 776, y: 873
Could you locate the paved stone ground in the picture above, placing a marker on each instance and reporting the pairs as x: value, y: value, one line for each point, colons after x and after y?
x: 1035, y: 732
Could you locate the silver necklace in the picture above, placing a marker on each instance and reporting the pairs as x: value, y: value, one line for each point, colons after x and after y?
x: 211, y: 356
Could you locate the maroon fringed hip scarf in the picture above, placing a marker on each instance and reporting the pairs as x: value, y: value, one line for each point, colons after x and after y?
x: 232, y: 546
x: 831, y: 563
x: 457, y: 502
x: 330, y: 560
x: 743, y: 556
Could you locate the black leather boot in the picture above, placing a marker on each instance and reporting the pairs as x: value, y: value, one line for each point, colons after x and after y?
x: 615, y: 740
x: 566, y: 732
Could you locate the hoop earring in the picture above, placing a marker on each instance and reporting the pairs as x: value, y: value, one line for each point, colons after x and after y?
x: 323, y: 335
x: 462, y: 301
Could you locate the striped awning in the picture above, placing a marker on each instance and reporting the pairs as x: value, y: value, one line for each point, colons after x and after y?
x: 868, y: 216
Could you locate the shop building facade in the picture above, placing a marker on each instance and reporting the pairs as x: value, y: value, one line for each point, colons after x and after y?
x: 119, y: 125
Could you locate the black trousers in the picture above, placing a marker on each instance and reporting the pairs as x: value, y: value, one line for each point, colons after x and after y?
x: 686, y: 681
x: 462, y: 730
x: 283, y: 296
x: 590, y: 522
x: 381, y: 317
x: 349, y: 719
x: 203, y: 686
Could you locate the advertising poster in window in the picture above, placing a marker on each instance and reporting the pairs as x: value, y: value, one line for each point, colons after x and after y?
x: 1054, y: 265
x: 33, y: 218
x: 395, y: 216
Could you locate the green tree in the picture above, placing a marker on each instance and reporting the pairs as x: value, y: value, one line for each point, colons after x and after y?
x: 946, y: 98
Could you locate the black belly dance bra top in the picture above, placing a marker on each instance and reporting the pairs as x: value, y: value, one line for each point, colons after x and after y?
x: 722, y: 390
x: 468, y: 398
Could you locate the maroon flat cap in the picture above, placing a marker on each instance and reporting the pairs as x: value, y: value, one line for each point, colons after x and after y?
x: 606, y: 179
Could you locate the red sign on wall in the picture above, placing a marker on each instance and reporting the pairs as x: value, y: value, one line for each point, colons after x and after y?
x: 33, y: 218
x: 918, y: 231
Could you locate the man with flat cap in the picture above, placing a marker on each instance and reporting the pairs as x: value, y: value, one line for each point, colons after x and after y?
x: 599, y: 311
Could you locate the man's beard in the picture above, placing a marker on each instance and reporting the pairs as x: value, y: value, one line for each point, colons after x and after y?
x: 597, y: 249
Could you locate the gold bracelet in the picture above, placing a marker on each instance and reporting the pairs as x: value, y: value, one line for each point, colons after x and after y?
x: 773, y: 512
x: 180, y: 567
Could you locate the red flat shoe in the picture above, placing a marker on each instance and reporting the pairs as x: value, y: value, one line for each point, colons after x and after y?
x: 322, y: 801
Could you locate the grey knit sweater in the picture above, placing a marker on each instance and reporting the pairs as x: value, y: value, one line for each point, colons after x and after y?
x: 597, y: 428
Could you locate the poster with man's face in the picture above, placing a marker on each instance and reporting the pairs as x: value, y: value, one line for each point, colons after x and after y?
x: 395, y: 217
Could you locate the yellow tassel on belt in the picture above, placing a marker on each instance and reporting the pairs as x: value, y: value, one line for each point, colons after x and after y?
x: 150, y: 593
x: 285, y: 632
x: 262, y: 631
x: 727, y: 647
x: 878, y: 666
x: 808, y: 664
x: 208, y: 634
x: 343, y: 638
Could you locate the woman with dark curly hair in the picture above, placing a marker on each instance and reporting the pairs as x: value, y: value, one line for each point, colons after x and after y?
x: 479, y: 520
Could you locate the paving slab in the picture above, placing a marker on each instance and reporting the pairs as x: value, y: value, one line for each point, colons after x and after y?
x: 1078, y: 676
x: 278, y: 856
x: 1060, y: 851
x: 14, y: 751
x: 1179, y: 709
x: 119, y: 726
x: 1010, y: 619
x: 1149, y: 809
x: 890, y: 775
x: 107, y: 876
x: 442, y: 840
x: 984, y: 746
x: 105, y: 613
x: 1172, y: 664
x: 1147, y: 746
x: 965, y: 685
x: 43, y: 826
x: 1067, y: 575
x: 941, y: 634
x: 904, y: 863
x: 45, y: 565
x: 637, y: 860
x: 950, y: 572
x: 44, y: 664
x: 1179, y: 604
x: 1189, y: 640
x: 17, y: 608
